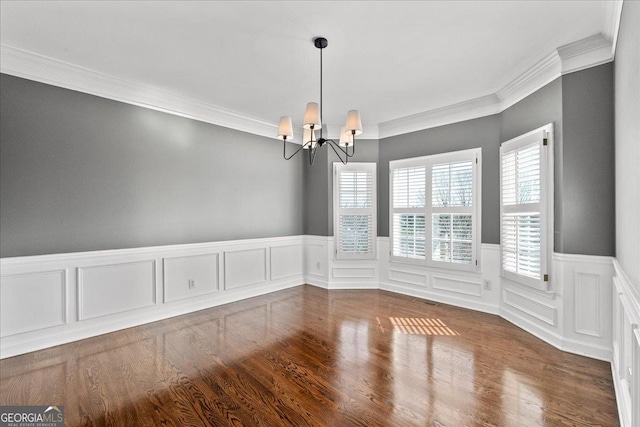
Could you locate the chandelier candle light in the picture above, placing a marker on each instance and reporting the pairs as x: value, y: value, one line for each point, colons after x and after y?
x: 313, y: 122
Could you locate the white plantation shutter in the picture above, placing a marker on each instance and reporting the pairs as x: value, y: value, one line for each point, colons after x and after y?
x: 408, y: 230
x: 452, y: 184
x: 452, y: 212
x: 524, y: 197
x: 408, y: 216
x: 435, y: 210
x: 355, y: 210
x: 408, y: 187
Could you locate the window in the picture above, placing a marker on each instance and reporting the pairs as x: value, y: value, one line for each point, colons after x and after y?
x: 355, y: 210
x: 525, y: 206
x: 435, y: 210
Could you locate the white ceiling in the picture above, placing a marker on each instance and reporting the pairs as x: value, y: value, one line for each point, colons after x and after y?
x: 387, y: 59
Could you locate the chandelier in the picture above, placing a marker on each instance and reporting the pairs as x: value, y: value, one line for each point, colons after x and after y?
x: 313, y: 122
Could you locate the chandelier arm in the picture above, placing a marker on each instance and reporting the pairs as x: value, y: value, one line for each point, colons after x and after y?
x: 345, y: 151
x: 284, y: 150
x: 333, y: 146
x: 339, y: 147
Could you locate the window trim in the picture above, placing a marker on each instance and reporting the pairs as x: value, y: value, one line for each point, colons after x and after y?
x: 355, y: 166
x: 429, y: 161
x: 546, y: 204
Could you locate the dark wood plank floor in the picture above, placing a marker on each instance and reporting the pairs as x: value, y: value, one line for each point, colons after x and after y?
x: 307, y: 356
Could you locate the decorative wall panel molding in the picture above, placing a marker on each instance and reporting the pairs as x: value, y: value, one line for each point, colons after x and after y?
x: 457, y: 285
x: 21, y: 312
x: 110, y: 289
x: 190, y: 276
x: 244, y: 267
x: 625, y: 364
x: 587, y: 304
x: 316, y: 258
x: 585, y: 283
x: 634, y: 379
x: 407, y: 277
x: 462, y: 289
x: 530, y: 306
x: 81, y: 295
x: 577, y: 317
x: 286, y: 261
x: 353, y: 272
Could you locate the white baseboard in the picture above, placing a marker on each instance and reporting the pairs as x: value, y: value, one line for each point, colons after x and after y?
x: 556, y: 340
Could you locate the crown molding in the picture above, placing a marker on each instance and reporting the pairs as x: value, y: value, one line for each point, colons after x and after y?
x: 466, y: 110
x: 332, y: 131
x: 47, y: 70
x: 588, y: 52
x: 612, y: 12
x: 537, y: 76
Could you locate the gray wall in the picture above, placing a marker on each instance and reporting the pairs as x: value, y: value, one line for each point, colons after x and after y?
x: 627, y: 152
x: 85, y: 173
x: 483, y: 132
x: 588, y: 176
x: 538, y: 109
x: 316, y: 195
x: 80, y: 173
x: 580, y: 105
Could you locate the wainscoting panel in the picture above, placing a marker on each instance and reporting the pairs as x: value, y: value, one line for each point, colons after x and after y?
x: 586, y: 282
x: 245, y: 267
x: 286, y: 261
x: 587, y: 310
x: 350, y: 273
x: 407, y: 277
x: 456, y: 285
x: 316, y: 257
x: 625, y: 365
x: 53, y: 299
x: 190, y: 276
x: 33, y: 301
x: 587, y: 304
x: 474, y: 290
x: 111, y: 289
x: 525, y: 304
x: 634, y: 377
x: 353, y: 272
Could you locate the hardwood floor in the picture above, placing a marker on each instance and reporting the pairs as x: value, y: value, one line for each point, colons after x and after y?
x: 307, y: 356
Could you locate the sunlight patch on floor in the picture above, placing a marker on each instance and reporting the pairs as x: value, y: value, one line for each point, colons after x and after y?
x: 421, y: 326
